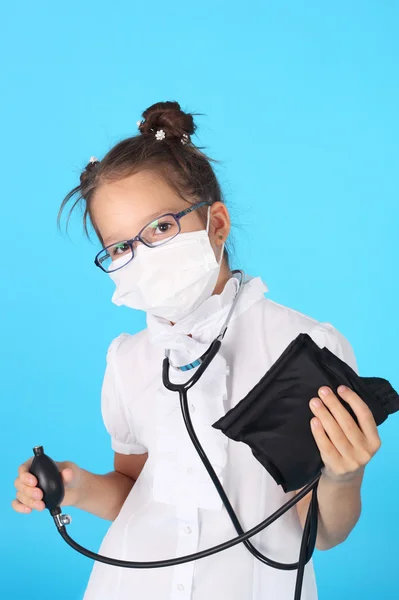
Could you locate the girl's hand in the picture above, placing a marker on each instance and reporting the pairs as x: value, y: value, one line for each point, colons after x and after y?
x: 345, y: 447
x: 29, y: 496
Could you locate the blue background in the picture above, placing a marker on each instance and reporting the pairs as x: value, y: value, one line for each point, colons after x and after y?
x: 301, y: 102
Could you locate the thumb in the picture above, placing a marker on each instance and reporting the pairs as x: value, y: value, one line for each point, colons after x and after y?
x: 67, y: 475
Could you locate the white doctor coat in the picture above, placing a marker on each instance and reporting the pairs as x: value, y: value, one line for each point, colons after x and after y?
x: 173, y: 508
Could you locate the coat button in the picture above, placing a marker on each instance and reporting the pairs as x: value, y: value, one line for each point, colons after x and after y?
x: 180, y: 587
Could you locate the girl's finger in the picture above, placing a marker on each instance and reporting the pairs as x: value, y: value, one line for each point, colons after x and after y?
x: 28, y: 479
x: 328, y: 451
x: 331, y: 427
x: 67, y: 475
x: 364, y: 416
x: 345, y: 421
x: 21, y: 508
x: 23, y: 472
x: 36, y: 504
x: 27, y: 490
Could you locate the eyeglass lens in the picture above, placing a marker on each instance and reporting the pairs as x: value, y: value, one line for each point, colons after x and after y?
x: 156, y: 233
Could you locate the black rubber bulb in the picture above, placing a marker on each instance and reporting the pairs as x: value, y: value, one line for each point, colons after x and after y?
x: 49, y: 479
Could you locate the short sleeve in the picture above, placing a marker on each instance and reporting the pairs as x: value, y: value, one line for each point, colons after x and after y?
x: 114, y: 413
x: 325, y: 335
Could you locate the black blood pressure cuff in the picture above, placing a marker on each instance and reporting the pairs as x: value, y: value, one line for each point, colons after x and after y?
x: 274, y: 417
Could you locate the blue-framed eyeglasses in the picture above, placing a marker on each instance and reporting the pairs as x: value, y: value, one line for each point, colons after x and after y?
x: 156, y: 233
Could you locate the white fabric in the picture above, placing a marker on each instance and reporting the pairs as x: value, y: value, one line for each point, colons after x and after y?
x: 173, y: 509
x: 170, y: 280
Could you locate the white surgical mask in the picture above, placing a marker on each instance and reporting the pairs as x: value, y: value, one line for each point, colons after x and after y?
x: 171, y: 280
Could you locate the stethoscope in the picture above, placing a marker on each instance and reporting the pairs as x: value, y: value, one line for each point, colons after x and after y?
x: 51, y: 483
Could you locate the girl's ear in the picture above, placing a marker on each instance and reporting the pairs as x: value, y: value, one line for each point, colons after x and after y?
x: 219, y: 227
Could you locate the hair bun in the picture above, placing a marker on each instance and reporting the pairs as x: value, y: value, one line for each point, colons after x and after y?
x: 169, y: 117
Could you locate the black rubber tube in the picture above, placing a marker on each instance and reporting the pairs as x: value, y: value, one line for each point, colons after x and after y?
x: 223, y: 496
x: 189, y: 557
x: 310, y: 528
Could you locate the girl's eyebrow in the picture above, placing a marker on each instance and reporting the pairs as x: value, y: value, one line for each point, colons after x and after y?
x: 114, y: 239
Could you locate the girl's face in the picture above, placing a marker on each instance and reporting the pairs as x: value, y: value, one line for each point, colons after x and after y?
x: 122, y: 208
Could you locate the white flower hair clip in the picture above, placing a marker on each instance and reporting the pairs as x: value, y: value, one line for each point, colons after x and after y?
x: 93, y: 159
x: 185, y: 138
x: 160, y: 134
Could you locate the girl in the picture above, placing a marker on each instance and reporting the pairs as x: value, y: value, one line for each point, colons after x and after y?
x: 157, y: 208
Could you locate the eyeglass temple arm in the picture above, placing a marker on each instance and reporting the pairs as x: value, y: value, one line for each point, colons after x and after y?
x: 194, y: 207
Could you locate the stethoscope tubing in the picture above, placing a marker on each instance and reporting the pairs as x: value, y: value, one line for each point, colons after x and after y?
x: 189, y: 557
x: 310, y: 527
x: 207, y: 464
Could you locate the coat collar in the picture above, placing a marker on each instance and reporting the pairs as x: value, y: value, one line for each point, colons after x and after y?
x: 189, y: 338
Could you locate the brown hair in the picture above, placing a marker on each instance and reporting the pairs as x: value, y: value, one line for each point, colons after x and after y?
x: 173, y: 157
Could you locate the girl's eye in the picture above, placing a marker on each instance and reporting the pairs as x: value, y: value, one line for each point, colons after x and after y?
x: 119, y: 249
x: 163, y: 228
x: 160, y: 230
x: 159, y: 227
